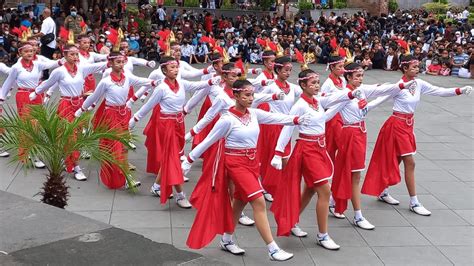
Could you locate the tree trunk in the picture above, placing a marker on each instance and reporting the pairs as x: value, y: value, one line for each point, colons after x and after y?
x: 55, y: 191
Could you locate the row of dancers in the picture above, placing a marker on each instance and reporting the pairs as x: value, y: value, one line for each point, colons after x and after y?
x: 243, y: 133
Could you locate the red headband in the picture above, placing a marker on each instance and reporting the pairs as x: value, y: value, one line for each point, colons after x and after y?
x: 335, y: 62
x: 172, y: 62
x: 359, y: 69
x: 310, y: 76
x: 246, y: 88
x: 25, y: 47
x: 284, y: 64
x: 70, y: 49
x: 409, y: 62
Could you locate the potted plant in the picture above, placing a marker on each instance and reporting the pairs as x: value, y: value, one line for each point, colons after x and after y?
x: 44, y: 134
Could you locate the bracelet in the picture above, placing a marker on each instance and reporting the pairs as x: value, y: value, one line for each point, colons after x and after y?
x: 458, y: 91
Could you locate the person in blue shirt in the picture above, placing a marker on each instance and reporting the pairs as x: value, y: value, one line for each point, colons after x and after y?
x: 25, y: 21
x: 134, y: 46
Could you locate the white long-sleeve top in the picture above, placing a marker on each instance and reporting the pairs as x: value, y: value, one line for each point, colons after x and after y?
x: 406, y: 101
x: 284, y: 106
x: 23, y: 78
x: 240, y: 130
x: 4, y: 69
x: 329, y: 86
x: 350, y: 111
x: 131, y: 61
x: 199, y: 95
x: 222, y: 103
x: 70, y: 86
x: 92, y: 57
x: 115, y: 94
x: 321, y: 108
x: 265, y: 75
x: 169, y: 101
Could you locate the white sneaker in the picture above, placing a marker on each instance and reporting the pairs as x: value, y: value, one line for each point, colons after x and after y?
x: 132, y: 167
x: 4, y: 154
x: 385, y: 197
x: 132, y: 145
x: 419, y: 209
x: 231, y: 247
x: 280, y: 255
x: 268, y: 197
x: 183, y: 203
x: 363, y: 223
x: 245, y: 220
x: 38, y: 164
x: 157, y: 193
x: 332, y: 210
x: 186, y: 179
x: 133, y: 184
x: 296, y: 231
x: 85, y: 155
x: 327, y: 243
x: 79, y: 175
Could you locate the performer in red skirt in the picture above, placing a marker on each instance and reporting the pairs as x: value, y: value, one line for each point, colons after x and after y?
x: 269, y: 133
x: 240, y: 128
x: 308, y: 159
x: 87, y: 57
x: 170, y: 95
x: 115, y: 89
x: 70, y: 78
x: 396, y: 140
x: 350, y: 158
x: 26, y: 74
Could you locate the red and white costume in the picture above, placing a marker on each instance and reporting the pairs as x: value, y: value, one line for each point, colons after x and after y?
x: 116, y: 115
x: 333, y: 126
x: 308, y: 159
x: 240, y: 164
x: 352, y: 144
x: 165, y: 135
x: 27, y: 77
x: 396, y: 137
x: 270, y: 133
x: 86, y: 57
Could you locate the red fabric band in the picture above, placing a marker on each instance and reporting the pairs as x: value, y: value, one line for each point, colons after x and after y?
x: 458, y: 91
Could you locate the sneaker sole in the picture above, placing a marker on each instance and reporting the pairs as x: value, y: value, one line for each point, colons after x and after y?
x: 246, y: 224
x: 319, y: 244
x: 419, y: 213
x: 398, y: 203
x: 368, y: 229
x: 272, y: 259
x: 299, y: 236
x: 236, y: 254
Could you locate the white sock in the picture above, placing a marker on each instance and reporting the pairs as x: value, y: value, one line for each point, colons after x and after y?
x: 272, y: 247
x: 242, y: 214
x: 322, y: 235
x: 77, y: 169
x: 331, y: 201
x: 384, y: 192
x: 226, y: 237
x: 358, y: 214
x: 180, y: 195
x: 414, y: 200
x: 156, y: 186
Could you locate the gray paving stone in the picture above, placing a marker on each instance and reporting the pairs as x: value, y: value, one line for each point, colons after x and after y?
x: 343, y: 236
x: 139, y: 219
x: 437, y: 218
x: 429, y: 201
x: 467, y: 215
x: 448, y: 236
x: 393, y: 237
x: 103, y: 216
x: 259, y: 256
x: 345, y: 256
x: 385, y: 217
x: 411, y: 256
x: 161, y: 235
x: 459, y: 255
x: 216, y: 253
x: 91, y: 203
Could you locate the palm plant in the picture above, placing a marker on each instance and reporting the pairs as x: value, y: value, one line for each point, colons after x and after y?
x: 44, y: 134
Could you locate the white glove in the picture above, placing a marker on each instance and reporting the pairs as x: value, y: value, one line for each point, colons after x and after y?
x: 210, y: 69
x: 131, y: 123
x: 256, y: 71
x: 281, y: 96
x: 129, y: 104
x: 409, y: 84
x: 357, y: 93
x: 186, y: 166
x: 188, y: 137
x: 143, y: 98
x: 466, y: 90
x: 33, y: 96
x: 151, y: 64
x: 78, y: 113
x: 304, y: 119
x: 216, y: 80
x: 46, y: 99
x: 277, y: 162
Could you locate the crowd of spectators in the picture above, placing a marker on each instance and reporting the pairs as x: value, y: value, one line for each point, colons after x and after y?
x: 376, y: 42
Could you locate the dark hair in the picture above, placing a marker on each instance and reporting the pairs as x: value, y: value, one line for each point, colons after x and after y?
x: 240, y: 84
x: 268, y: 53
x: 404, y: 61
x: 166, y: 59
x: 68, y: 47
x: 214, y: 56
x: 228, y: 66
x: 114, y: 54
x: 351, y: 67
x: 333, y: 59
x: 304, y: 74
x: 280, y: 61
x: 82, y: 36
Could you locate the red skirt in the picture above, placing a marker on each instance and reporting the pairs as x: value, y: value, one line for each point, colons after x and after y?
x: 396, y: 139
x: 333, y: 134
x: 115, y: 118
x: 310, y: 160
x: 89, y: 84
x: 152, y: 142
x: 171, y: 140
x: 66, y: 109
x: 267, y: 141
x: 205, y: 131
x: 23, y: 101
x: 100, y: 112
x: 211, y: 199
x: 242, y: 167
x: 350, y: 158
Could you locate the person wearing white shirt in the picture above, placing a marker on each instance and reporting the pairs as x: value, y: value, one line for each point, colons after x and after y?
x: 48, y: 27
x: 240, y: 129
x: 115, y: 89
x: 233, y: 52
x: 87, y: 57
x: 396, y: 140
x: 187, y: 51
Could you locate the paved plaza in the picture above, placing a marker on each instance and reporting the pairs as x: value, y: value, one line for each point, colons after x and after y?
x: 445, y: 185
